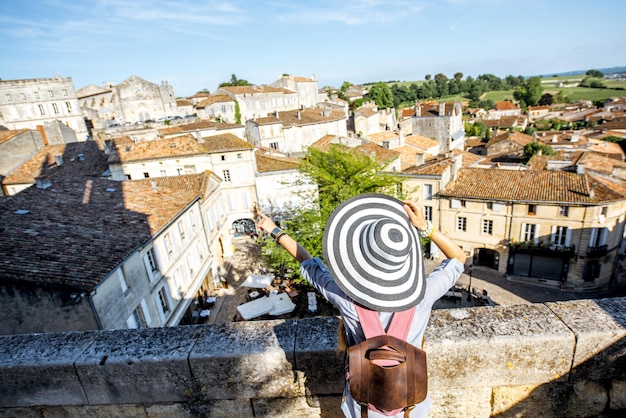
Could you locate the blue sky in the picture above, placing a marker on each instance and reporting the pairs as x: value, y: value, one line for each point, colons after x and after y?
x: 197, y: 44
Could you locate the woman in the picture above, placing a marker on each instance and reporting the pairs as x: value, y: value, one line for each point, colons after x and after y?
x: 373, y: 250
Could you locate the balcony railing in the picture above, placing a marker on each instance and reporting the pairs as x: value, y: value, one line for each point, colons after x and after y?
x: 547, y: 250
x: 598, y: 251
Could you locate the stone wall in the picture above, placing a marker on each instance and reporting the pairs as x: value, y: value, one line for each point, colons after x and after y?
x: 554, y: 359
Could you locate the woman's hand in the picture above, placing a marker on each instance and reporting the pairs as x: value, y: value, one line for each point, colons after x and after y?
x: 266, y: 223
x: 416, y: 215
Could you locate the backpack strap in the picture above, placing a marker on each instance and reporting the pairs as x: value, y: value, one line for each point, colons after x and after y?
x: 372, y: 327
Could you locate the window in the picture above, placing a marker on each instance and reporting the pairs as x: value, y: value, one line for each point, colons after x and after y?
x: 428, y: 192
x: 50, y: 93
x: 36, y: 95
x: 604, y: 210
x: 164, y: 301
x: 226, y: 175
x: 64, y: 92
x: 163, y: 173
x: 563, y: 211
x: 461, y: 224
x: 22, y: 96
x: 167, y: 241
x: 140, y: 318
x: 462, y: 203
x: 487, y: 226
x: 42, y: 111
x: 598, y: 236
x: 532, y: 209
x: 190, y: 264
x: 529, y: 232
x: 181, y: 230
x: 55, y: 108
x: 9, y: 98
x: 127, y: 176
x: 123, y: 282
x: 150, y: 262
x: 223, y: 157
x: 274, y: 145
x: 146, y: 175
x: 428, y: 213
x: 490, y: 205
x: 192, y: 218
x: 592, y: 270
x: 179, y: 171
x: 200, y: 251
x: 239, y: 156
x: 560, y: 235
x: 68, y: 105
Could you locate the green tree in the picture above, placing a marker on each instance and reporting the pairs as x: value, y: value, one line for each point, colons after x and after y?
x: 237, y: 113
x: 339, y: 174
x: 234, y: 81
x: 534, y: 147
x: 345, y: 86
x: 381, y: 94
x: 595, y: 73
x: 427, y: 77
x: 529, y: 92
x: 458, y: 76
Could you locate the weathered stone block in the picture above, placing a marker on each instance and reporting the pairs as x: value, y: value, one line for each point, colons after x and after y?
x: 617, y: 394
x: 470, y: 403
x: 496, y: 346
x: 95, y: 411
x: 528, y: 400
x: 284, y: 408
x: 38, y: 369
x: 316, y: 355
x: 138, y: 366
x: 246, y: 360
x: 600, y: 329
x: 176, y: 410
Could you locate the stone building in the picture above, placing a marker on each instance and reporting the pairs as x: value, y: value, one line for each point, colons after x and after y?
x: 87, y: 253
x: 26, y: 104
x: 548, y: 226
x: 219, y: 106
x: 133, y: 100
x: 292, y: 131
x: 442, y: 122
x: 305, y: 88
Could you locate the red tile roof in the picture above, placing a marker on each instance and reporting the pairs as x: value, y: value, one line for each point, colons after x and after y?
x: 301, y: 117
x: 268, y: 163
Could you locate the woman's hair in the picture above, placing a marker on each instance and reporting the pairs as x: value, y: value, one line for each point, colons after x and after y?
x: 342, y: 338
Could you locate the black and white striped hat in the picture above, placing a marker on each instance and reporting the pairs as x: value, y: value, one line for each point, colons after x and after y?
x: 374, y: 253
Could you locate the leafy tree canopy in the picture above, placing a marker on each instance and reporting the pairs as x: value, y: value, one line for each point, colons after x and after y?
x: 381, y: 94
x: 595, y: 73
x: 529, y: 92
x: 340, y: 174
x: 234, y: 81
x: 534, y: 147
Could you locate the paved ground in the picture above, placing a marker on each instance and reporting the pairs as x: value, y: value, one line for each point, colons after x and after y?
x: 501, y: 290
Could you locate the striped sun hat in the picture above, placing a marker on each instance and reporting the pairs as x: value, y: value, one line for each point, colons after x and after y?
x: 374, y: 253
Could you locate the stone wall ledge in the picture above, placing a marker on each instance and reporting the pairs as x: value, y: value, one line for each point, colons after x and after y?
x: 486, y: 361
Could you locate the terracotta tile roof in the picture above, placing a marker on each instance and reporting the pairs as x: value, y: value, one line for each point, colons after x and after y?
x: 79, y: 229
x: 517, y: 137
x: 540, y: 162
x: 183, y: 102
x: 43, y: 164
x: 197, y: 126
x: 602, y: 163
x: 545, y: 186
x: 323, y: 143
x: 383, y: 136
x: 10, y: 134
x: 408, y: 112
x: 536, y: 108
x: 605, y: 147
x: 239, y: 90
x: 218, y: 98
x: 267, y: 163
x: 382, y: 154
x: 301, y: 117
x: 434, y: 167
x: 365, y: 112
x: 199, y: 95
x: 474, y: 142
x: 506, y: 105
x: 185, y: 145
x: 421, y: 142
x: 615, y: 124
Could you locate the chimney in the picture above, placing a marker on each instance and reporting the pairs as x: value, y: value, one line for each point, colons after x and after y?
x: 554, y: 138
x: 199, y: 137
x: 592, y: 191
x: 419, y: 159
x: 442, y: 109
x: 580, y: 169
x: 299, y: 115
x: 575, y: 137
x: 457, y: 163
x: 154, y: 185
x: 42, y: 132
x: 418, y: 110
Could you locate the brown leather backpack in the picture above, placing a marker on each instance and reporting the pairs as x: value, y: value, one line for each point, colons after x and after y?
x: 386, y: 374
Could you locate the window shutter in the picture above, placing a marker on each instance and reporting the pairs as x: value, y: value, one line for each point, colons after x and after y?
x: 522, y: 236
x: 592, y: 237
x: 496, y: 207
x: 603, y: 236
x: 536, y: 239
x: 131, y: 323
x: 553, y: 234
x: 568, y: 237
x: 148, y: 266
x: 454, y: 204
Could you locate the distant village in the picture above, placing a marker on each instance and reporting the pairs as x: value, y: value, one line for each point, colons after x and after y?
x: 121, y: 203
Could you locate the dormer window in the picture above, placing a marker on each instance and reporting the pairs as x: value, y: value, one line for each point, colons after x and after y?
x: 532, y: 209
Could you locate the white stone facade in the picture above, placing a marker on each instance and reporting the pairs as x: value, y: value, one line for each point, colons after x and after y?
x: 33, y: 102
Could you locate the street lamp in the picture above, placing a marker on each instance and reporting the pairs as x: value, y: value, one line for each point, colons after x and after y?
x: 469, y: 287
